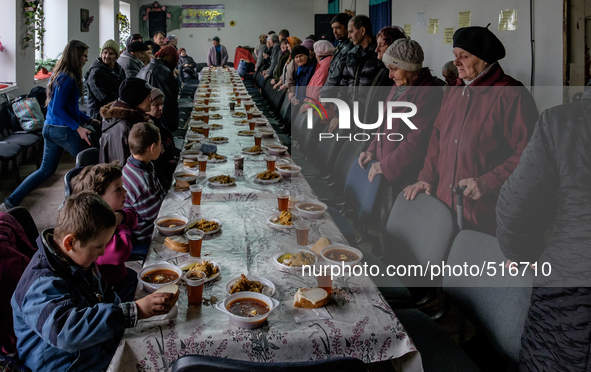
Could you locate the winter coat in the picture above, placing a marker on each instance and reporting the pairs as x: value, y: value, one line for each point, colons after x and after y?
x: 337, y: 65
x: 130, y: 64
x: 401, y: 161
x: 15, y: 253
x: 378, y: 92
x: 550, y: 189
x: 118, y: 119
x: 103, y: 85
x: 303, y: 76
x: 319, y: 78
x: 64, y: 319
x: 186, y: 71
x: 212, y: 58
x: 480, y: 132
x: 280, y: 65
x: 275, y: 54
x: 159, y: 75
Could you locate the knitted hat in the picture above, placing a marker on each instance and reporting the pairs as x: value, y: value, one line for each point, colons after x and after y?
x: 406, y: 54
x: 309, y: 44
x: 111, y: 44
x: 155, y: 94
x: 481, y: 42
x: 137, y: 46
x: 300, y: 49
x: 215, y: 38
x: 134, y: 91
x: 324, y: 48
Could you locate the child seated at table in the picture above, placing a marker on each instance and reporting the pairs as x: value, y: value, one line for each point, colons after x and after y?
x: 144, y: 192
x: 106, y: 180
x: 63, y: 318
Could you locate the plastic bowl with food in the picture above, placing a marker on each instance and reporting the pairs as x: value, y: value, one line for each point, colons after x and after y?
x: 288, y: 170
x: 279, y: 258
x: 338, y: 254
x: 268, y: 288
x: 158, y: 275
x: 276, y: 149
x: 311, y: 209
x: 185, y: 176
x: 190, y: 154
x: 255, y: 306
x: 172, y: 224
x: 267, y: 132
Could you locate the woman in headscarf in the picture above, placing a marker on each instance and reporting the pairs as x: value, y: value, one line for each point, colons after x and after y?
x: 159, y: 74
x: 484, y: 125
x: 323, y: 50
x: 304, y: 72
x: 103, y: 78
x: 292, y: 77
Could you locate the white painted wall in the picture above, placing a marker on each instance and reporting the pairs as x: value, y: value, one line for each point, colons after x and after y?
x: 8, y: 38
x: 56, y: 34
x: 90, y: 38
x: 252, y: 17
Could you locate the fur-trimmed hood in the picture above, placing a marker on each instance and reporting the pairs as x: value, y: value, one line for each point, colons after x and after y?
x: 117, y: 111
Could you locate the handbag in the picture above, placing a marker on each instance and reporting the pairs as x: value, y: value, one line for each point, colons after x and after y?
x: 29, y: 114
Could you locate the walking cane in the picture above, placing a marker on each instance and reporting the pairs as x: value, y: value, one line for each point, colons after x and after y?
x: 459, y: 191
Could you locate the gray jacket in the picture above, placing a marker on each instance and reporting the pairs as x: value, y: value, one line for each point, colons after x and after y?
x: 130, y: 64
x: 275, y: 54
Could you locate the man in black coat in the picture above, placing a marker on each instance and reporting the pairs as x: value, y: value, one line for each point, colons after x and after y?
x: 550, y: 188
x: 339, y: 25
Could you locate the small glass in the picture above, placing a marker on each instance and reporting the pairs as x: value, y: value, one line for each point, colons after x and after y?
x: 283, y: 200
x: 196, y: 191
x: 271, y: 163
x: 258, y: 136
x: 195, y: 281
x: 202, y: 159
x: 302, y: 228
x: 195, y: 238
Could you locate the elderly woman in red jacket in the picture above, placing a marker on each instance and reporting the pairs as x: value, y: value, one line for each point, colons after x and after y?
x: 484, y: 125
x: 401, y: 161
x: 323, y: 50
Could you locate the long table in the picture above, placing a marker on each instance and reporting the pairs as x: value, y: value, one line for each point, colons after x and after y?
x: 362, y: 325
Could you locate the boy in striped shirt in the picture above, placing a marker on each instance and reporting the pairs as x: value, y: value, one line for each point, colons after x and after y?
x: 144, y: 192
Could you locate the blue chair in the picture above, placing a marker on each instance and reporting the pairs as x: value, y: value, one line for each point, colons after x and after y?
x: 204, y: 363
x: 86, y: 157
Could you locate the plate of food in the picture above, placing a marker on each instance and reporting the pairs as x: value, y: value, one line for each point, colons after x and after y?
x: 239, y: 115
x: 283, y: 220
x: 250, y: 283
x: 241, y: 123
x: 215, y: 126
x: 218, y: 140
x: 193, y: 137
x: 293, y: 259
x: 214, y: 108
x: 215, y: 158
x: 246, y: 133
x: 208, y: 226
x: 211, y: 269
x: 255, y: 150
x: 215, y: 117
x: 221, y: 181
x: 267, y: 177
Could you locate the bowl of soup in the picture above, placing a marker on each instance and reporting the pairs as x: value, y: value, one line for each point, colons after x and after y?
x: 338, y: 254
x: 173, y: 224
x: 185, y: 176
x: 158, y: 275
x: 311, y: 209
x: 247, y: 309
x: 288, y: 170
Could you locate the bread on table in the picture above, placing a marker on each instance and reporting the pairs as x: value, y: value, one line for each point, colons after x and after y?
x: 320, y: 245
x: 177, y: 243
x: 190, y: 163
x: 312, y: 298
x: 170, y: 288
x: 181, y: 185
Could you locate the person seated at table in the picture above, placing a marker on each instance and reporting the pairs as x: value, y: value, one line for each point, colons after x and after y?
x: 64, y: 319
x: 287, y: 80
x: 217, y: 54
x: 303, y: 75
x: 186, y: 64
x: 324, y: 51
x: 144, y: 192
x: 449, y: 72
x: 119, y: 116
x: 134, y: 58
x: 107, y: 181
x: 283, y: 58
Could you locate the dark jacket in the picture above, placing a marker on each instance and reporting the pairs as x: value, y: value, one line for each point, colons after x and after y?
x: 64, y: 319
x: 103, y: 85
x: 118, y: 119
x: 303, y: 75
x: 130, y: 64
x: 550, y: 189
x: 276, y: 74
x: 186, y: 71
x: 337, y: 65
x: 158, y: 75
x: 378, y: 92
x: 275, y: 54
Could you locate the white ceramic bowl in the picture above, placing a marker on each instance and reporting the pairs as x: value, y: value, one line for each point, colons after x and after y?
x: 302, y: 211
x: 292, y: 171
x: 170, y: 231
x: 343, y: 247
x: 151, y: 287
x: 244, y: 322
x: 268, y: 286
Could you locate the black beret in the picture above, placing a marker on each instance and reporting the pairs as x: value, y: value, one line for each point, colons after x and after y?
x: 481, y: 42
x: 134, y: 91
x: 300, y: 49
x: 137, y: 46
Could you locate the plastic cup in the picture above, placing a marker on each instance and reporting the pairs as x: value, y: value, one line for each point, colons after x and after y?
x: 232, y: 106
x: 195, y: 281
x: 236, y: 93
x: 283, y: 200
x: 258, y: 136
x: 202, y: 159
x: 248, y: 105
x: 206, y: 109
x: 251, y: 124
x: 195, y: 238
x: 302, y: 228
x: 271, y: 163
x: 324, y: 280
x: 206, y: 100
x: 249, y: 115
x: 206, y: 127
x: 196, y: 191
x: 238, y: 100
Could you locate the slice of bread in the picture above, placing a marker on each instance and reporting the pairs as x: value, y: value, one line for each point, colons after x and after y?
x: 177, y: 243
x: 320, y: 245
x: 170, y: 288
x: 312, y: 298
x: 190, y: 164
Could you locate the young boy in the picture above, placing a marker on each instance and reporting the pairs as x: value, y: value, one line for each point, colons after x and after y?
x: 144, y: 192
x: 106, y: 180
x: 63, y: 318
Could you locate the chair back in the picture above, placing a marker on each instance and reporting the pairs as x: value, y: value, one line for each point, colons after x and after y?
x: 23, y: 217
x: 86, y: 157
x: 205, y: 363
x: 360, y: 194
x: 68, y: 180
x: 328, y: 151
x: 285, y: 111
x: 348, y: 153
x: 496, y: 304
x: 419, y: 232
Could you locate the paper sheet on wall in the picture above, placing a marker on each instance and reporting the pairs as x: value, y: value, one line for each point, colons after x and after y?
x: 465, y: 19
x: 421, y: 19
x: 433, y: 25
x: 407, y: 29
x: 448, y: 35
x: 508, y: 20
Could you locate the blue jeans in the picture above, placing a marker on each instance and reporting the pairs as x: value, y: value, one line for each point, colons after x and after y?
x: 57, y: 139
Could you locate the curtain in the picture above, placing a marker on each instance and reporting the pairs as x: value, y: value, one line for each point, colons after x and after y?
x: 380, y: 13
x: 334, y: 6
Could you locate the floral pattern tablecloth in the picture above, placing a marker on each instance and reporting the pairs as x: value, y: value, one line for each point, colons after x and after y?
x: 362, y: 325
